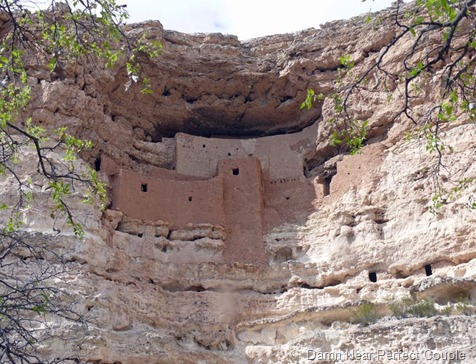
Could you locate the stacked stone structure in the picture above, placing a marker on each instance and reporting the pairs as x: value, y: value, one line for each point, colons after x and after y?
x: 246, y: 186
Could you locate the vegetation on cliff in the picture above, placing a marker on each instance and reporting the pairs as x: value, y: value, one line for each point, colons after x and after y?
x: 58, y: 35
x: 443, y: 30
x: 434, y: 76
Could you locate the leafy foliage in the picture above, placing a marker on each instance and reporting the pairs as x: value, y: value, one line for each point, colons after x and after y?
x: 438, y: 39
x: 365, y: 314
x: 423, y: 308
x: 26, y: 269
x: 408, y: 307
x: 62, y: 33
x: 464, y: 306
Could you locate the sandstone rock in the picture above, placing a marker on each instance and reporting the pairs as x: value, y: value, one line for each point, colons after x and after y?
x: 194, y: 232
x: 131, y: 226
x: 157, y: 293
x: 161, y: 230
x: 113, y: 218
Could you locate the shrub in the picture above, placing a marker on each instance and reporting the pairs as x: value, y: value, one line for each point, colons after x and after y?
x: 409, y: 307
x: 446, y: 311
x: 399, y: 308
x: 463, y: 306
x: 365, y: 314
x: 424, y: 308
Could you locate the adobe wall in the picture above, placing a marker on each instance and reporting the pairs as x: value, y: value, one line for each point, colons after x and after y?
x: 259, y: 184
x: 356, y: 169
x: 176, y: 202
x: 281, y: 156
x: 243, y: 206
x: 109, y: 166
x: 289, y: 200
x: 153, y: 171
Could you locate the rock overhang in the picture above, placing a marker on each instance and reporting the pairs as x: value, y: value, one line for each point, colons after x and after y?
x: 212, y: 84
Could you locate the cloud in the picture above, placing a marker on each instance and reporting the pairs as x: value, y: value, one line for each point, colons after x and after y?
x: 221, y: 27
x: 188, y: 16
x: 248, y: 18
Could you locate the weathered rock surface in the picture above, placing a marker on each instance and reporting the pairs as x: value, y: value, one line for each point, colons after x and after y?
x: 157, y: 295
x: 204, y: 84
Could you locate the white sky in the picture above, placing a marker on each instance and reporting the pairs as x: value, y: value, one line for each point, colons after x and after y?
x: 247, y: 18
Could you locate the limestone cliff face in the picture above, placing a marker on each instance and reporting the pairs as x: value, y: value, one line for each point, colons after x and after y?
x: 158, y: 293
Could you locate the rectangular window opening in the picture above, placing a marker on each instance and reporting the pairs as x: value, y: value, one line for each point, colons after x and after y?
x: 143, y: 187
x: 327, y: 186
x: 373, y: 277
x: 97, y: 164
x: 236, y: 171
x: 428, y: 270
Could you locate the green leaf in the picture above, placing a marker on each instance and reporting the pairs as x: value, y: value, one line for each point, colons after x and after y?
x: 346, y: 61
x: 52, y: 64
x: 310, y: 99
x: 414, y: 72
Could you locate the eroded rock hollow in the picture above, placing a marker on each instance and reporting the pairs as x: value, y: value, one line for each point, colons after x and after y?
x: 235, y: 233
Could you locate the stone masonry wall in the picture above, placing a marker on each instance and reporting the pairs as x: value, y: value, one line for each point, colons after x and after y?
x: 169, y: 296
x: 281, y: 156
x: 289, y: 201
x: 248, y: 186
x: 243, y: 202
x: 176, y: 202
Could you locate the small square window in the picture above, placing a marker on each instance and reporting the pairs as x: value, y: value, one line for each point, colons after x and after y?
x: 190, y: 198
x: 143, y: 187
x: 236, y: 171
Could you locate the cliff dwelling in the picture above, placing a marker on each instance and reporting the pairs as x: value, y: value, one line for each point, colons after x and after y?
x: 236, y: 231
x: 245, y: 186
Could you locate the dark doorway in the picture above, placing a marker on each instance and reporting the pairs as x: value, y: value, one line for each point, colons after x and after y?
x: 428, y: 270
x: 327, y: 186
x: 97, y: 164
